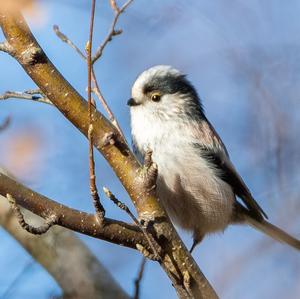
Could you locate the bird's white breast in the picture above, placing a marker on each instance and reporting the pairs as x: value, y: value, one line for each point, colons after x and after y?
x: 194, y: 196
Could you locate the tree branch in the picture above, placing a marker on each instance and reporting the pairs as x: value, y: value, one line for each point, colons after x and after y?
x: 96, y: 88
x: 32, y: 95
x: 62, y: 254
x: 72, y: 219
x: 100, y: 212
x: 137, y: 282
x: 152, y: 243
x: 112, y: 31
x: 176, y: 261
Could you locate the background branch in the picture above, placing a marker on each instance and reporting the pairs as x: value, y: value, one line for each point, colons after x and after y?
x: 62, y: 254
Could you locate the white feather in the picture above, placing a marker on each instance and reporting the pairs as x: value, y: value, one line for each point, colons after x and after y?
x: 192, y: 193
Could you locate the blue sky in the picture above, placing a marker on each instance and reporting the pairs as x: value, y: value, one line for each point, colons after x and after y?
x: 243, y: 58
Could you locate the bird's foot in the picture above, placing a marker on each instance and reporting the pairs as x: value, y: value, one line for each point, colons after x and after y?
x: 149, y: 171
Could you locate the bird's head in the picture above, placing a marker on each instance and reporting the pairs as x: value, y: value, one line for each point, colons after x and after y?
x: 166, y: 93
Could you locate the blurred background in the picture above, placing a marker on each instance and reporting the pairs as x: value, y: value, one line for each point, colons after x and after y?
x: 244, y: 59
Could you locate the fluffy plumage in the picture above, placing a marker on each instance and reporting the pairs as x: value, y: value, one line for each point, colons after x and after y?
x: 197, y: 183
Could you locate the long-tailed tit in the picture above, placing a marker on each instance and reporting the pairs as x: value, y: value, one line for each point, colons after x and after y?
x: 197, y: 183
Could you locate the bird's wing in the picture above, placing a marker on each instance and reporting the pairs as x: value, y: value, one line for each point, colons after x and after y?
x: 226, y: 171
x: 214, y: 151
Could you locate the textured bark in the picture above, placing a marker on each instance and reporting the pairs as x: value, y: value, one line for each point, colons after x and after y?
x: 176, y: 260
x: 65, y: 257
x: 113, y: 231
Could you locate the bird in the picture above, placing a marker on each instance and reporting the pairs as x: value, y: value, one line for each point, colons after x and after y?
x: 197, y: 183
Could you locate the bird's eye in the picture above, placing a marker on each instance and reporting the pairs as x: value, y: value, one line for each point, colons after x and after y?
x: 155, y: 97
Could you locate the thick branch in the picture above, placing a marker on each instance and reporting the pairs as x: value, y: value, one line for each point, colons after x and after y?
x: 73, y: 219
x: 61, y: 253
x: 177, y: 262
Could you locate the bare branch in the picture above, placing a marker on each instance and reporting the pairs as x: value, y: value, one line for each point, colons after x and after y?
x: 72, y: 219
x: 139, y: 278
x: 66, y: 40
x: 50, y: 221
x: 114, y: 6
x: 152, y: 243
x: 96, y: 88
x: 112, y: 32
x: 32, y: 95
x: 111, y: 116
x: 100, y: 212
x: 62, y: 253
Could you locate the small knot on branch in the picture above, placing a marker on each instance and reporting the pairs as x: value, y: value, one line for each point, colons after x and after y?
x: 6, y: 47
x: 117, y: 32
x: 33, y: 55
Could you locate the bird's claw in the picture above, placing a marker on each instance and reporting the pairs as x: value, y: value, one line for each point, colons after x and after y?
x: 150, y: 171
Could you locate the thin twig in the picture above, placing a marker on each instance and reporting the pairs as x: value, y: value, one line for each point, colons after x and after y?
x: 96, y: 88
x: 100, y: 212
x: 114, y: 6
x: 49, y: 221
x: 32, y: 95
x: 111, y: 116
x: 66, y: 40
x: 152, y: 243
x: 137, y: 282
x: 112, y: 31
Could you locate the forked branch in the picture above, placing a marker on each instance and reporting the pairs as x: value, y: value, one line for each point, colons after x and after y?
x: 182, y: 270
x: 72, y: 219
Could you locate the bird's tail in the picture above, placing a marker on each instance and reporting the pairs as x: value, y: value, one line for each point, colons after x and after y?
x: 272, y: 231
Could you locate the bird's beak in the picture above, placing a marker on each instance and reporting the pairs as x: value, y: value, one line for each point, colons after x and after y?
x: 132, y: 102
